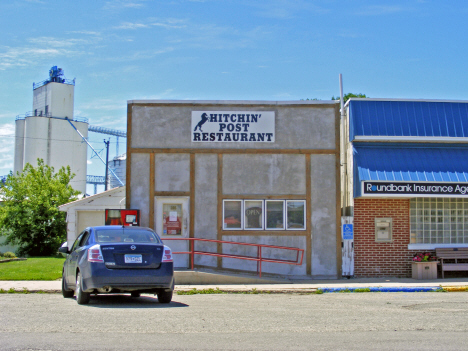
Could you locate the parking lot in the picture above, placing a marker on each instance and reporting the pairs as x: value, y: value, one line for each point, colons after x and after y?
x: 351, y: 321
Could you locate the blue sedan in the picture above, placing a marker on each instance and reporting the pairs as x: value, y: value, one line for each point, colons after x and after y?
x: 117, y: 259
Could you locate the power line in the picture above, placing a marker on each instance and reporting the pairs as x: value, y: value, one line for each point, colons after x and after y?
x: 67, y: 140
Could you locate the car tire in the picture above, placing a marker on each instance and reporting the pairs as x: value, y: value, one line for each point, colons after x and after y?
x: 165, y: 296
x: 67, y: 293
x: 82, y: 298
x: 135, y: 294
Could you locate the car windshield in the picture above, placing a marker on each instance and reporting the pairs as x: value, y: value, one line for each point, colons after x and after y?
x: 126, y: 236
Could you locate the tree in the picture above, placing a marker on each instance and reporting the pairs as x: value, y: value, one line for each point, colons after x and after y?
x: 346, y: 97
x: 29, y: 216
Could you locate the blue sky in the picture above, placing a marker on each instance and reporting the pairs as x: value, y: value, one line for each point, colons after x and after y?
x: 121, y: 50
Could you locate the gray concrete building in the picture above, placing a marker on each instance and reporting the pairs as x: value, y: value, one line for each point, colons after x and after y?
x: 262, y: 172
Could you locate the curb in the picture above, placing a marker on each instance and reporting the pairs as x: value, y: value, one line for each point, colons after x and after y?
x: 13, y: 259
x: 455, y: 288
x: 383, y: 289
x: 463, y: 288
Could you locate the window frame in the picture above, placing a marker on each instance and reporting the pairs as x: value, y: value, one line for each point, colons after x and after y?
x: 304, y: 217
x: 264, y: 215
x: 241, y: 214
x: 284, y: 214
x: 438, y: 221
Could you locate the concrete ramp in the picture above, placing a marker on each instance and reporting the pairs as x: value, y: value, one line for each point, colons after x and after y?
x: 212, y: 277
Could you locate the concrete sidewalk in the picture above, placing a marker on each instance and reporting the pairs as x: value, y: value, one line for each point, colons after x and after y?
x: 374, y: 284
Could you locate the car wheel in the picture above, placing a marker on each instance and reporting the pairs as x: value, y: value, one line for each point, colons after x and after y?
x: 135, y: 294
x: 81, y: 297
x: 67, y: 293
x: 165, y: 296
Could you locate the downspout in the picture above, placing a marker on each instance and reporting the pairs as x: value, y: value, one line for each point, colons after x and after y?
x: 344, y: 172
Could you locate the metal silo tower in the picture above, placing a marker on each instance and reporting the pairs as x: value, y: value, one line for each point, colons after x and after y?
x: 45, y: 132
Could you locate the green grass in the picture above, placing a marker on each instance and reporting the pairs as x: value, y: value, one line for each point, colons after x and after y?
x: 195, y: 291
x: 34, y: 268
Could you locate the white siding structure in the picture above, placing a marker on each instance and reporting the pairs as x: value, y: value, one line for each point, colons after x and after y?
x: 90, y: 211
x: 46, y: 133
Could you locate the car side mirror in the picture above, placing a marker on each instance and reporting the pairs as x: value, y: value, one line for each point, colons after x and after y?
x: 64, y: 249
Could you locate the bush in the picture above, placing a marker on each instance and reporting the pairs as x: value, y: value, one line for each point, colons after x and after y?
x: 29, y: 215
x: 9, y: 255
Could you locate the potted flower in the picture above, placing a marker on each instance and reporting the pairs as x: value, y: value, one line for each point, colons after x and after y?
x: 424, y: 266
x: 424, y: 257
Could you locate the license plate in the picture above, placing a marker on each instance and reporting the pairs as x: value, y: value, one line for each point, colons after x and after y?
x: 133, y: 259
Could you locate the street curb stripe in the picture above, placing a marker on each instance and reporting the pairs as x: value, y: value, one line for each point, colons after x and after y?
x: 455, y: 288
x: 383, y: 289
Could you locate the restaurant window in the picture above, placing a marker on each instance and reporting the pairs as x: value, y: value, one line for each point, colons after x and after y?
x: 295, y: 215
x: 253, y: 212
x: 438, y: 221
x: 274, y: 216
x: 232, y: 214
x: 264, y: 214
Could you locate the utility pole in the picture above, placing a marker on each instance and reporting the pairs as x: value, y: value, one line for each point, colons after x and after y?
x: 107, y: 163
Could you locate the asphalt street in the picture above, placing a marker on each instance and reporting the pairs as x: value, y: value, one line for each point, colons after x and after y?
x: 336, y: 321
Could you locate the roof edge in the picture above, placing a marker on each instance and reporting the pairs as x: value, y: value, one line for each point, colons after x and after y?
x: 405, y: 100
x: 92, y: 197
x: 235, y: 102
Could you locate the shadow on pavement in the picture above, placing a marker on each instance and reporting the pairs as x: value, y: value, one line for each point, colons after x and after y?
x: 126, y: 301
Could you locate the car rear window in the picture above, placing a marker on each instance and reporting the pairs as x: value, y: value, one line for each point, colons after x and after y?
x: 126, y: 236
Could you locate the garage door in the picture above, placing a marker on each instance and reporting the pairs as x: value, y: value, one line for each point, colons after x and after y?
x: 89, y: 219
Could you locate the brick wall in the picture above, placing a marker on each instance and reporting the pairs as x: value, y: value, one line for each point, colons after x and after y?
x: 372, y: 259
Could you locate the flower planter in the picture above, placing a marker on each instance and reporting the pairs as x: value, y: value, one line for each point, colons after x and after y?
x: 424, y: 270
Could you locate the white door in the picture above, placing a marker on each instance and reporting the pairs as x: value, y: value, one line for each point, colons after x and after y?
x: 171, y: 219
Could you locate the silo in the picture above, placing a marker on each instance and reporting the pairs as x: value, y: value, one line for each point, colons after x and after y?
x: 36, y: 140
x: 48, y: 133
x: 67, y: 148
x: 118, y: 165
x: 19, y: 144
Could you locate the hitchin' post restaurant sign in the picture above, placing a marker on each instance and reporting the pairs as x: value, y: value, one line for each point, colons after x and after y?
x: 413, y: 189
x: 233, y: 126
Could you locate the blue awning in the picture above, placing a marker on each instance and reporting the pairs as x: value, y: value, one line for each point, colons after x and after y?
x: 409, y: 162
x: 368, y: 117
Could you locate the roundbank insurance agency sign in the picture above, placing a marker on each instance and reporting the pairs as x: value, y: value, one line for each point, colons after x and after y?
x: 414, y: 189
x: 233, y: 126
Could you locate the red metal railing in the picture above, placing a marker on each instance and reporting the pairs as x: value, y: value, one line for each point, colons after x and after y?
x: 258, y: 258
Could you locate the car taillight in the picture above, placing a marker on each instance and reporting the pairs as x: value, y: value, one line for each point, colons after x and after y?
x: 95, y: 254
x: 167, y: 255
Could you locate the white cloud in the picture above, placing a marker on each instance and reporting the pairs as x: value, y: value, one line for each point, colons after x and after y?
x: 7, y: 129
x: 140, y: 55
x: 122, y: 4
x: 41, y: 48
x: 54, y: 42
x: 287, y: 9
x: 169, y: 23
x: 7, y: 134
x: 86, y: 32
x: 201, y: 34
x: 129, y: 25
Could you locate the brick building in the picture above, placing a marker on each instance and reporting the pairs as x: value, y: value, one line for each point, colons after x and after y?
x: 405, y: 181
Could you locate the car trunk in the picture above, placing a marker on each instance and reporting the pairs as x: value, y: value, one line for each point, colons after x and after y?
x: 128, y: 256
